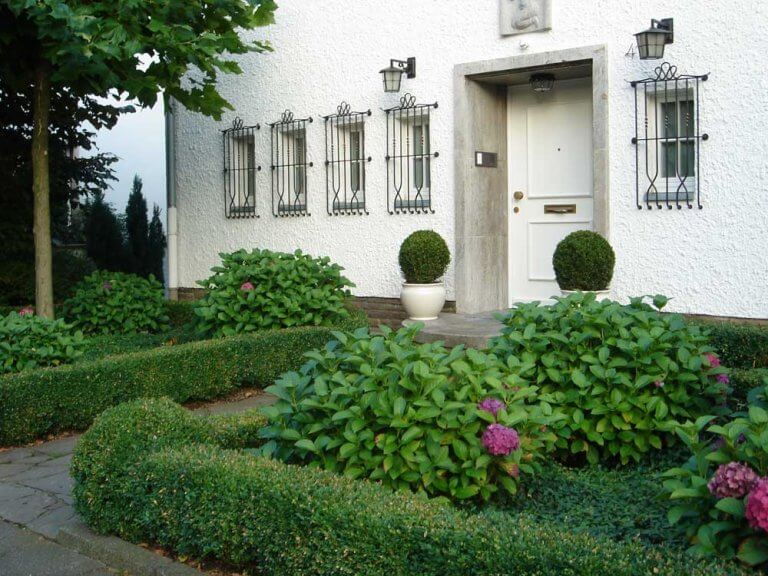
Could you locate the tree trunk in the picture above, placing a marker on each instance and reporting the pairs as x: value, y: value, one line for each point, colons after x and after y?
x: 41, y: 188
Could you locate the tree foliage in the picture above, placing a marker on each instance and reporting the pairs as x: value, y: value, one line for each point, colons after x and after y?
x: 135, y: 49
x: 137, y: 229
x: 74, y: 120
x: 95, y: 47
x: 104, y: 236
x: 156, y: 246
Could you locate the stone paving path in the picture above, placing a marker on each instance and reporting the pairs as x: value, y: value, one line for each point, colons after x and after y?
x: 36, y: 503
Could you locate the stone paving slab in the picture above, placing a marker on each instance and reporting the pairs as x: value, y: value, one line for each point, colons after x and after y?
x: 36, y: 504
x: 473, y: 330
x: 23, y: 553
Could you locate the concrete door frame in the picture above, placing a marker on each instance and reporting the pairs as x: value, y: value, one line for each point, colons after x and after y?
x: 481, y: 194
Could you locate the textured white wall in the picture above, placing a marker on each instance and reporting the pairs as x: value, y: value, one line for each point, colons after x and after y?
x: 713, y: 261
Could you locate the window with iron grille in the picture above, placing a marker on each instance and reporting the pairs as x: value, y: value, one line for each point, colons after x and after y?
x: 240, y: 170
x: 409, y: 157
x: 668, y: 139
x: 289, y: 166
x: 345, y: 161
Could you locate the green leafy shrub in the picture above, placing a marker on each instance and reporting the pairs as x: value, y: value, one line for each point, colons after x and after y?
x: 739, y: 345
x: 35, y: 403
x: 142, y: 473
x: 262, y: 290
x: 17, y: 278
x: 117, y: 303
x: 622, y: 376
x: 28, y: 341
x: 584, y: 260
x: 721, y: 491
x: 410, y: 416
x: 424, y: 257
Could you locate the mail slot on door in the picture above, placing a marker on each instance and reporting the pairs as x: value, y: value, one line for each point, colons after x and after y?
x: 559, y: 208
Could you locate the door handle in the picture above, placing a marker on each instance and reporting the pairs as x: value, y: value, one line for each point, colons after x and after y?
x: 518, y: 195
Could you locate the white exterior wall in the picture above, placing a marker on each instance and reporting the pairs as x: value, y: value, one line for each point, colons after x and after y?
x: 711, y: 261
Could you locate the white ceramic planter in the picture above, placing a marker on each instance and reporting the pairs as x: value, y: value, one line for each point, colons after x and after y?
x: 423, y: 301
x: 599, y: 294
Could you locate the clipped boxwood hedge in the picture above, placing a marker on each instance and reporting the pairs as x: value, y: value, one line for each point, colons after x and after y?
x: 150, y: 472
x: 739, y: 345
x: 48, y: 401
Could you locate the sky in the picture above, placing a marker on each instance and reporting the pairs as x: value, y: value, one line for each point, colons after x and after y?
x: 138, y: 140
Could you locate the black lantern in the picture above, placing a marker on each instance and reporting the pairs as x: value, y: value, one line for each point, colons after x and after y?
x: 651, y: 42
x: 393, y: 74
x: 542, y: 82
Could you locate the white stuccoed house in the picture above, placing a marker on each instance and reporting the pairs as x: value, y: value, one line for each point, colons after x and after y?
x: 518, y: 122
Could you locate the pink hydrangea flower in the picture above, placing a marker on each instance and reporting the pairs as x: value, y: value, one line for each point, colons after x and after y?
x: 247, y: 287
x: 757, y: 505
x: 500, y: 440
x: 491, y: 405
x: 732, y: 480
x: 713, y: 360
x: 659, y: 384
x: 723, y: 379
x: 26, y: 311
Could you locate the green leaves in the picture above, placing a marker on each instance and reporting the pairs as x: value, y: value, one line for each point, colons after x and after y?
x: 622, y: 377
x: 117, y: 303
x: 94, y: 45
x: 28, y: 341
x: 385, y: 408
x: 262, y: 290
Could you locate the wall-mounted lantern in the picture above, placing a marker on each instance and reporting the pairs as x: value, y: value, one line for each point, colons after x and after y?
x: 651, y: 42
x: 393, y: 74
x: 542, y: 82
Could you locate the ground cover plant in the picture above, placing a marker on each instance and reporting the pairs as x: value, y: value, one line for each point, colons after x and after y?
x: 117, y: 303
x: 262, y: 290
x: 420, y: 417
x: 28, y: 341
x: 622, y: 376
x: 149, y: 471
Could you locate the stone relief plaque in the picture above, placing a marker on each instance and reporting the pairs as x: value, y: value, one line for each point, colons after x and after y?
x: 523, y: 16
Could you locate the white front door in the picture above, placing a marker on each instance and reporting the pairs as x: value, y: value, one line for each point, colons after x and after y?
x: 550, y: 180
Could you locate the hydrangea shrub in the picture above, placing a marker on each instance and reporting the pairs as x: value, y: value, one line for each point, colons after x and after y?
x: 262, y: 290
x: 411, y: 416
x: 721, y: 493
x: 622, y: 376
x: 28, y: 341
x: 117, y: 303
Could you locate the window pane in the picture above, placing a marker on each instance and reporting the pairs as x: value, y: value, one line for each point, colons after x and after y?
x: 668, y: 119
x: 668, y: 159
x: 687, y: 159
x: 686, y: 118
x: 354, y: 167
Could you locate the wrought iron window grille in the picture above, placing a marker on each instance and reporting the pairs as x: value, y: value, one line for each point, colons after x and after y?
x: 409, y: 157
x: 668, y: 139
x: 290, y: 166
x: 240, y: 170
x: 345, y: 161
